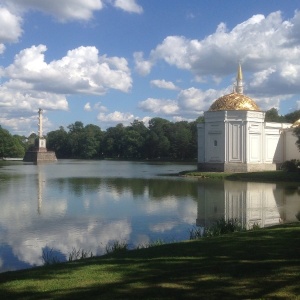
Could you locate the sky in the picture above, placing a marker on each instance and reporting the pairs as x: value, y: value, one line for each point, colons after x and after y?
x: 106, y: 62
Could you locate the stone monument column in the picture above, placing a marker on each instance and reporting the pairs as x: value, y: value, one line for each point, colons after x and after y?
x: 42, y: 140
x: 40, y: 152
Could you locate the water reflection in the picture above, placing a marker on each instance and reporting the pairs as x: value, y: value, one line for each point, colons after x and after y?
x: 87, y: 205
x: 249, y: 202
x: 47, y: 210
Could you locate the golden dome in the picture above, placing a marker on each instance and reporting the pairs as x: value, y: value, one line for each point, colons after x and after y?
x: 296, y: 124
x: 234, y: 101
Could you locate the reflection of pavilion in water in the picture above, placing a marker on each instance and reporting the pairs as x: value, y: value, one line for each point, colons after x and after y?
x: 248, y: 202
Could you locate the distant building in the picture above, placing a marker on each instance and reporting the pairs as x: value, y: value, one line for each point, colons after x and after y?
x: 235, y: 137
x: 40, y: 152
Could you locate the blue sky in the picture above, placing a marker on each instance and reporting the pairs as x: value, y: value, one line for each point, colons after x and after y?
x: 113, y: 61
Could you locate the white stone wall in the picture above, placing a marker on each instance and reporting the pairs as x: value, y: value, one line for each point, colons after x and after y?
x: 242, y: 137
x: 291, y: 150
x: 201, y: 142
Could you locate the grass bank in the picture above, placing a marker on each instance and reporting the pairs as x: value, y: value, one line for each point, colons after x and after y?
x: 263, y: 263
x: 266, y: 176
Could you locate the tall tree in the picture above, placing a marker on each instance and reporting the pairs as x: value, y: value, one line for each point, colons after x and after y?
x: 10, y: 146
x: 58, y: 141
x: 113, y: 141
x: 293, y: 117
x: 273, y: 116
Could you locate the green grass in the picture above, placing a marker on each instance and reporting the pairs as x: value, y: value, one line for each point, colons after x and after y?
x: 263, y: 263
x: 267, y: 176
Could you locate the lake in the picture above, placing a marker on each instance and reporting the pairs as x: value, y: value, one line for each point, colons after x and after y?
x: 87, y: 205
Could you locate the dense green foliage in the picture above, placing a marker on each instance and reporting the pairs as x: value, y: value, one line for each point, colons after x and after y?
x: 162, y: 139
x: 11, y: 146
x: 292, y: 165
x: 272, y: 115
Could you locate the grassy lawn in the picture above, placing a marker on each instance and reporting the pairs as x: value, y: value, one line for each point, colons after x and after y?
x: 263, y: 263
x: 266, y: 176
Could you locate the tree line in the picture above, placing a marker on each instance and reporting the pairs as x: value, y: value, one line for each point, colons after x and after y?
x: 162, y: 139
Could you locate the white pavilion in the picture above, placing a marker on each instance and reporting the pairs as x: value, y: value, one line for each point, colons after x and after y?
x: 235, y: 137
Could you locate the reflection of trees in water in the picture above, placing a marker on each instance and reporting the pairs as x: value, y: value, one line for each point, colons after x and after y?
x: 155, y: 188
x: 6, y: 180
x: 291, y: 190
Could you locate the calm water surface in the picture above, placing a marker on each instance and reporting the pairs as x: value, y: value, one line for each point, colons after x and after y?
x: 88, y: 205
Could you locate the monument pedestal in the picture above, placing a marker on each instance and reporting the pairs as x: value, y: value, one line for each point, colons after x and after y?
x: 39, y: 156
x: 40, y: 153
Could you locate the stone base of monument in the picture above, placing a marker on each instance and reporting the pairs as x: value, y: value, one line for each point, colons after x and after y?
x: 39, y: 156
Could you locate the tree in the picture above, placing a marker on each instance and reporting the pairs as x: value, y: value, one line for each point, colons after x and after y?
x: 10, y: 146
x: 91, y: 138
x: 293, y: 117
x: 58, y: 141
x: 273, y: 116
x: 134, y: 140
x: 158, y: 143
x: 76, y: 127
x: 113, y: 141
x: 180, y: 140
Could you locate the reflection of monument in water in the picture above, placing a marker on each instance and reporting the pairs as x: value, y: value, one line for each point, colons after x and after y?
x: 40, y: 152
x: 40, y: 183
x: 249, y: 203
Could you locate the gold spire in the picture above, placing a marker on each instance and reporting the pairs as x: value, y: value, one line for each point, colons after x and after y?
x: 239, y: 88
x: 240, y: 73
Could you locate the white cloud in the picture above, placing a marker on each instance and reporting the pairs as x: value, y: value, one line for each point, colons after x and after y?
x: 191, y: 102
x: 18, y: 108
x: 98, y: 106
x: 13, y: 100
x: 142, y: 66
x: 17, y: 124
x: 116, y: 117
x: 263, y: 43
x: 261, y: 77
x: 12, y: 13
x: 129, y: 6
x: 10, y: 26
x: 164, y: 84
x: 66, y: 10
x: 87, y: 107
x: 195, y: 101
x: 31, y: 82
x: 81, y: 71
x: 160, y: 106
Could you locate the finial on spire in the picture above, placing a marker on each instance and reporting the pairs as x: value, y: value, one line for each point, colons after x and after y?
x: 239, y: 88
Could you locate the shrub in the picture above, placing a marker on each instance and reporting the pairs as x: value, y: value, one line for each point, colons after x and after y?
x: 116, y: 246
x: 220, y: 227
x: 79, y: 254
x: 49, y: 257
x: 292, y: 165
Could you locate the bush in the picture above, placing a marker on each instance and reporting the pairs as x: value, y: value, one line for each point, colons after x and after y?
x: 292, y: 165
x: 220, y: 227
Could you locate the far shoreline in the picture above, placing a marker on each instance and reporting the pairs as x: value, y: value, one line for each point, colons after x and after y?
x: 264, y: 176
